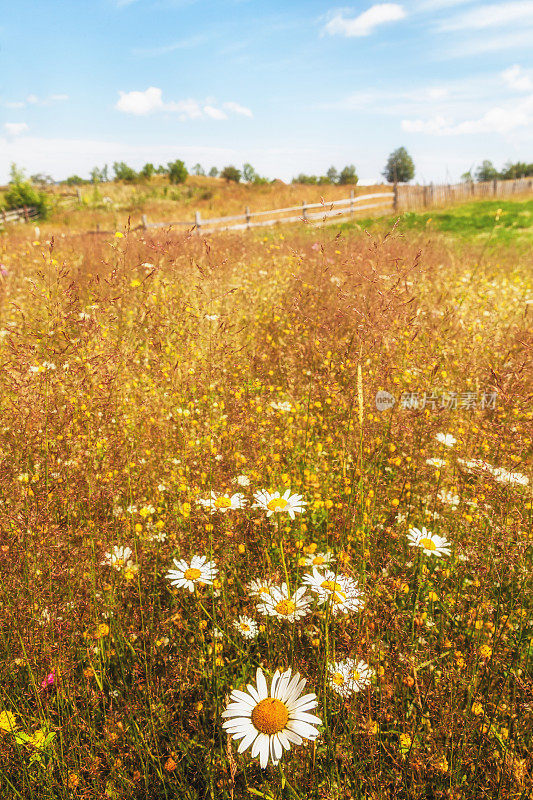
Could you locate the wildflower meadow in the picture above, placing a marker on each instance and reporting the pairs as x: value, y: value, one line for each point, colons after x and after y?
x: 266, y: 506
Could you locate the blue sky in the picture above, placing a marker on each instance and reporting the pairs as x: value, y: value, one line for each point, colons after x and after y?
x: 288, y: 86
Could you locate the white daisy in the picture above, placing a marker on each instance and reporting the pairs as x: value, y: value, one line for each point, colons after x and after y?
x: 503, y: 476
x: 270, y: 720
x: 341, y: 591
x: 260, y: 588
x: 246, y: 626
x: 360, y: 673
x: 340, y: 680
x: 430, y: 543
x: 436, y: 462
x: 241, y: 480
x: 318, y: 559
x: 118, y: 557
x: 449, y: 498
x: 284, y: 407
x: 200, y: 570
x: 475, y: 464
x: 446, y: 439
x: 279, y: 603
x: 223, y: 502
x: 274, y: 502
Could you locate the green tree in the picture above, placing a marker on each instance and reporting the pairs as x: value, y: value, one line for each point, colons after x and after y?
x: 198, y: 170
x: 177, y: 171
x: 310, y: 180
x: 333, y: 175
x: 147, y: 171
x: 348, y: 175
x: 21, y: 193
x: 75, y: 180
x: 213, y: 172
x: 486, y: 172
x: 248, y: 173
x: 123, y: 172
x: 231, y: 173
x: 400, y: 167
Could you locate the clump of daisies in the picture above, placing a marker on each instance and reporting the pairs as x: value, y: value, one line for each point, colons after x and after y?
x: 270, y: 720
x: 446, y: 439
x: 340, y: 591
x: 430, y: 543
x: 119, y: 558
x: 349, y: 676
x: 189, y: 575
x: 275, y: 503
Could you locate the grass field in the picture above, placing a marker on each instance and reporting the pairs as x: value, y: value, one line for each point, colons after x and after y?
x: 154, y: 387
x: 506, y: 222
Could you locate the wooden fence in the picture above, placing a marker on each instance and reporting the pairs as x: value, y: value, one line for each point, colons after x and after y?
x: 18, y: 215
x: 416, y: 197
x: 306, y: 213
x: 399, y: 198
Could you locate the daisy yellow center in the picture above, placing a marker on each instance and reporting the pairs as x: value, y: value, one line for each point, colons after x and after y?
x: 338, y: 597
x: 427, y: 544
x: 332, y: 586
x: 270, y: 716
x: 285, y: 607
x: 192, y: 574
x: 277, y: 504
x: 263, y: 590
x: 355, y: 675
x: 338, y: 679
x: 245, y: 626
x: 318, y: 560
x: 223, y: 502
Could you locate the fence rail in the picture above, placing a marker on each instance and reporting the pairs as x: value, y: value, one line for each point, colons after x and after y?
x: 401, y: 198
x: 274, y: 216
x: 18, y: 215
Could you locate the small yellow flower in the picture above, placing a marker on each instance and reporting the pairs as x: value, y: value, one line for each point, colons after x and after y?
x: 102, y: 630
x: 7, y: 722
x: 119, y: 235
x: 477, y: 709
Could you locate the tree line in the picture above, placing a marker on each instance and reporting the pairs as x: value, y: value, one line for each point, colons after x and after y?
x: 487, y: 172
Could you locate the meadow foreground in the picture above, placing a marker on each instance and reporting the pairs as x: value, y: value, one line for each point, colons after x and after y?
x: 218, y: 537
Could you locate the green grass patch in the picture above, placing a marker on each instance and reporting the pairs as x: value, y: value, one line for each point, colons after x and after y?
x: 470, y: 221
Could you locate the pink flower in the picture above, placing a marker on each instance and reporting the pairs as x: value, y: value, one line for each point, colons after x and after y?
x: 49, y: 681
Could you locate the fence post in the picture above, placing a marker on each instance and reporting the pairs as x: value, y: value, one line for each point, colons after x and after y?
x: 426, y: 197
x: 352, y: 194
x: 495, y: 187
x: 395, y: 199
x: 304, y: 211
x: 197, y: 221
x: 247, y: 214
x: 144, y: 221
x: 26, y: 215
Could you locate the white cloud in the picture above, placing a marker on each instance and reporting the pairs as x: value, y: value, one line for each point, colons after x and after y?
x: 489, y: 16
x: 151, y: 100
x: 15, y: 128
x: 141, y: 103
x: 365, y: 23
x: 34, y: 100
x: 161, y: 50
x: 499, y: 120
x: 517, y: 79
x: 238, y: 109
x: 214, y: 113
